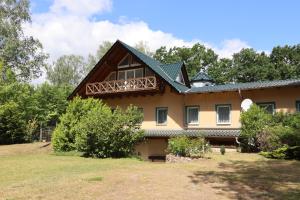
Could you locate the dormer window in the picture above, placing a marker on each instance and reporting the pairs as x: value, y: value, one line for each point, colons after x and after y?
x: 128, y: 61
x: 179, y: 78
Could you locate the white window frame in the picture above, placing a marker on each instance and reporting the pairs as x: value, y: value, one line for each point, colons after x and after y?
x: 124, y: 66
x: 266, y: 104
x: 157, y: 111
x: 134, y: 70
x: 187, y: 115
x: 217, y: 113
x: 130, y: 64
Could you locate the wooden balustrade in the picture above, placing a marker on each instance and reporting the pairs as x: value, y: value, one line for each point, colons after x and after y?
x: 135, y: 84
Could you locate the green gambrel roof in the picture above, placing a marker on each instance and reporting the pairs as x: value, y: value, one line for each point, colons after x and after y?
x: 244, y: 86
x: 169, y: 73
x: 194, y: 133
x: 166, y: 71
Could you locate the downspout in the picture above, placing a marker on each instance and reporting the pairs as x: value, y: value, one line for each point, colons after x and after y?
x: 241, y: 97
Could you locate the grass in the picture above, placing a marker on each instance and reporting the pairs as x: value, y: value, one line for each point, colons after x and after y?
x: 33, y: 171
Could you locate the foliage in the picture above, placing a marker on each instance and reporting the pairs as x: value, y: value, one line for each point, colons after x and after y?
x: 31, y: 126
x: 17, y: 107
x: 143, y: 47
x: 51, y: 102
x: 185, y: 146
x: 68, y: 70
x: 279, y: 153
x: 277, y: 136
x: 89, y: 126
x: 253, y: 122
x: 97, y: 136
x: 20, y: 54
x: 101, y: 51
x: 222, y: 150
x: 196, y: 58
x: 63, y: 138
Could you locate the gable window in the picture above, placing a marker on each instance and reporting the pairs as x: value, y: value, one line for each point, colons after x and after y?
x: 128, y: 61
x: 298, y: 106
x: 268, y: 106
x: 223, y: 114
x: 161, y: 116
x: 130, y: 74
x: 192, y: 115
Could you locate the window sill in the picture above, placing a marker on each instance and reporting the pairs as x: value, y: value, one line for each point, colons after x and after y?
x: 224, y: 124
x: 161, y: 124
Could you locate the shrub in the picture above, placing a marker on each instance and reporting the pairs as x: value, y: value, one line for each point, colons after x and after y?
x: 178, y: 145
x: 90, y: 127
x: 185, y: 146
x: 279, y: 153
x: 222, y: 150
x: 103, y: 134
x: 253, y: 122
x: 63, y: 138
x: 268, y: 139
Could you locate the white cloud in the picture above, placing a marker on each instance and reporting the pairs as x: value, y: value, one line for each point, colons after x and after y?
x: 69, y: 28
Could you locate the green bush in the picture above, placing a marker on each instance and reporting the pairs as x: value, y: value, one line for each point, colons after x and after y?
x: 284, y: 152
x: 90, y: 127
x: 222, y: 150
x: 253, y: 122
x: 63, y: 138
x: 185, y: 146
x: 106, y: 134
x: 178, y: 145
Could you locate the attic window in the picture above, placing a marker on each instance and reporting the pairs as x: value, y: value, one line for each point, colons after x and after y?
x: 128, y: 61
x: 179, y: 78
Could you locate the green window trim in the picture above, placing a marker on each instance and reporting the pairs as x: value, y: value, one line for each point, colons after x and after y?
x: 157, y: 118
x: 187, y: 116
x: 263, y: 104
x: 218, y: 106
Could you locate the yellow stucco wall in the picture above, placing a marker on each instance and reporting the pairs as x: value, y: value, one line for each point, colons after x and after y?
x: 154, y: 146
x: 285, y: 99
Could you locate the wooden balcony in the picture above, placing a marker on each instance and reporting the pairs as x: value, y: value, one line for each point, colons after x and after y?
x: 117, y: 86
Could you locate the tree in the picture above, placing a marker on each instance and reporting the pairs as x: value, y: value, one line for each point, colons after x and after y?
x: 93, y: 59
x: 20, y: 54
x: 221, y: 72
x: 17, y: 109
x: 68, y: 70
x: 51, y: 102
x: 197, y: 58
x: 287, y: 61
x: 144, y: 48
x: 250, y: 66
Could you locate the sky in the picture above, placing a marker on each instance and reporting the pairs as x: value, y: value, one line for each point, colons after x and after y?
x: 226, y: 26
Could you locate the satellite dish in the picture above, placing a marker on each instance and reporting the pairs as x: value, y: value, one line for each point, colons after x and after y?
x: 246, y: 104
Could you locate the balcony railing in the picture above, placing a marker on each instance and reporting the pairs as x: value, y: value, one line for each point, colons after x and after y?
x: 136, y: 84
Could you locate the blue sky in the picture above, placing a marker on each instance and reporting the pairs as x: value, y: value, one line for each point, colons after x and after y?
x: 79, y: 26
x: 262, y: 24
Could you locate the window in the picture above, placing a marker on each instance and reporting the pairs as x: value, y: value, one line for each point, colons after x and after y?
x: 192, y: 115
x: 161, y: 116
x: 268, y: 106
x: 223, y: 114
x: 298, y: 106
x: 129, y: 74
x: 128, y: 61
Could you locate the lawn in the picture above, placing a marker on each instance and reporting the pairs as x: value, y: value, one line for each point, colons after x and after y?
x: 32, y: 171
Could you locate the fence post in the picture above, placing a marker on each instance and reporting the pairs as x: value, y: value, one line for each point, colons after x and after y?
x: 41, y: 132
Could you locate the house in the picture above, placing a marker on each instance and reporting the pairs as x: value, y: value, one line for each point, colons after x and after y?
x: 173, y: 104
